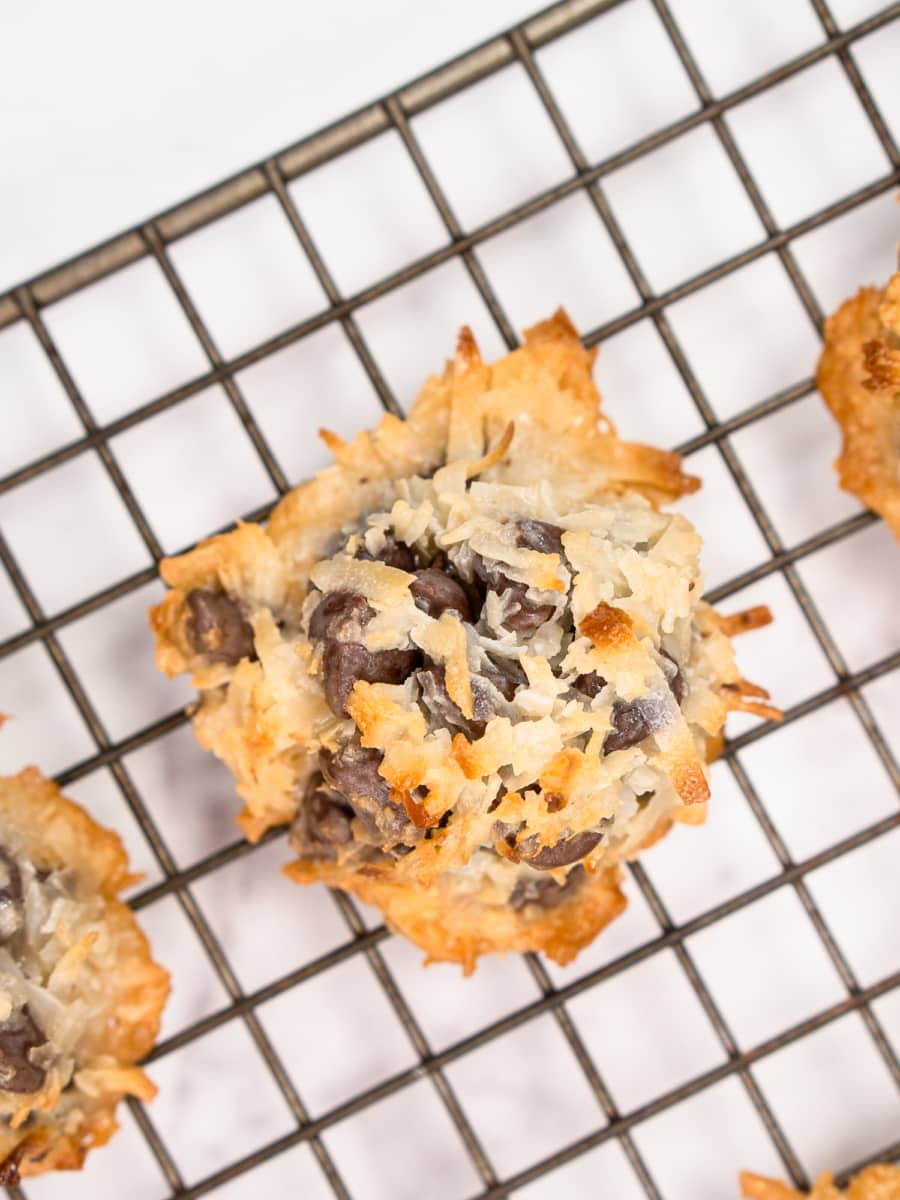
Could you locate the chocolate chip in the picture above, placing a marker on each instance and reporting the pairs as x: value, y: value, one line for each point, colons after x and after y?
x: 435, y: 592
x: 338, y: 610
x: 523, y: 616
x: 10, y: 879
x: 323, y: 821
x: 329, y: 820
x: 589, y: 684
x: 353, y: 772
x: 392, y: 554
x: 545, y: 892
x: 18, y: 1036
x: 506, y: 675
x: 432, y: 681
x: 217, y: 626
x: 675, y: 680
x: 540, y: 535
x: 631, y: 723
x: 345, y: 663
x: 505, y: 831
x: 567, y: 850
x: 495, y: 803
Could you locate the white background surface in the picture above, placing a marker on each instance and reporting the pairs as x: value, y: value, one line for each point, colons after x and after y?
x: 112, y: 112
x: 199, y: 105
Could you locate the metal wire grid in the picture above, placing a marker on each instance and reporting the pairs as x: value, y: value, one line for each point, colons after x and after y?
x: 394, y: 111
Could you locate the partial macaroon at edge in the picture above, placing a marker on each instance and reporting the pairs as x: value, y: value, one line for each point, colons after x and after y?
x: 879, y: 1182
x: 859, y: 378
x: 80, y: 995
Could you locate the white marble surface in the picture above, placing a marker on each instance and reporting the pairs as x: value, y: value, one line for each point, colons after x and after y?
x: 747, y: 338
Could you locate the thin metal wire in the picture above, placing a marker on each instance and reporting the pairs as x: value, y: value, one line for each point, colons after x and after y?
x: 764, y: 524
x: 270, y: 463
x: 271, y: 176
x: 488, y: 230
x: 351, y: 917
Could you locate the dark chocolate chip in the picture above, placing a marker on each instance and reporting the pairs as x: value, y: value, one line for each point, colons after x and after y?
x: 11, y: 887
x: 345, y: 663
x: 589, y: 684
x: 392, y: 554
x: 476, y: 591
x: 435, y: 592
x: 329, y: 820
x: 323, y: 821
x: 675, y: 680
x: 432, y: 681
x: 540, y: 535
x: 631, y: 723
x: 567, y: 850
x: 338, y: 610
x: 19, y: 1035
x: 353, y: 772
x: 505, y: 831
x: 495, y: 803
x: 545, y: 892
x: 523, y: 616
x: 506, y: 675
x: 217, y: 626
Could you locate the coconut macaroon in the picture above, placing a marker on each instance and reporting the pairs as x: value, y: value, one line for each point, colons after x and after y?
x: 880, y: 1182
x: 80, y: 996
x: 469, y: 663
x: 859, y: 378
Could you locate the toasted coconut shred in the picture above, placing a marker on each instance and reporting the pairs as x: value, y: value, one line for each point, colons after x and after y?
x: 469, y: 664
x: 80, y: 997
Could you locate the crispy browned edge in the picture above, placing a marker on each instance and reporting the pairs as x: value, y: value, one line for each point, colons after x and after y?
x: 859, y: 378
x: 59, y: 832
x: 879, y: 1182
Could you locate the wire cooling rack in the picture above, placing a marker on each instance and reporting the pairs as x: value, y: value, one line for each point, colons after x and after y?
x: 740, y: 1014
